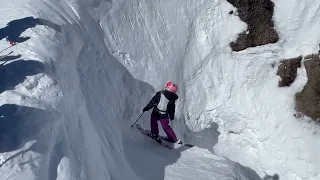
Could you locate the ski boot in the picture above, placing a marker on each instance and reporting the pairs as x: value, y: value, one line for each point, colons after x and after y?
x: 156, y: 137
x: 178, y: 141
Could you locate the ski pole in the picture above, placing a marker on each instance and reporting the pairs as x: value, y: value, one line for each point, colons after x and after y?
x: 137, y: 120
x: 11, y: 45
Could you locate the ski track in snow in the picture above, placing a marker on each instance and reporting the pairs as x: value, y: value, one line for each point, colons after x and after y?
x: 70, y: 92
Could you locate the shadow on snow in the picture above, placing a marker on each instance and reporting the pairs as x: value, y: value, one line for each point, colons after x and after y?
x: 15, y: 73
x: 12, y: 32
x: 207, y: 138
x: 20, y: 124
x: 274, y: 177
x: 7, y: 58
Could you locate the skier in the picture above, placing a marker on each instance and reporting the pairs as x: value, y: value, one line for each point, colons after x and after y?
x: 163, y: 104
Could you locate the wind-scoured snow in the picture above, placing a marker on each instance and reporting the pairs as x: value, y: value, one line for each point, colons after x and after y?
x: 70, y: 92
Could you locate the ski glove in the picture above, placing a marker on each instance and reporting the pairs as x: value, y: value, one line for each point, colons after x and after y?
x: 144, y: 109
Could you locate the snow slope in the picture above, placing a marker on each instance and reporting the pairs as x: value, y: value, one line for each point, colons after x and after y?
x: 97, y: 63
x: 86, y: 101
x: 236, y: 92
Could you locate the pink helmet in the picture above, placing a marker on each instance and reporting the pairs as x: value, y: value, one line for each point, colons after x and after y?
x: 172, y: 87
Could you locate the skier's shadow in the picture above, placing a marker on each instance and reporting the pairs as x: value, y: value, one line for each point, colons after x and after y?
x: 15, y: 28
x: 210, y: 134
x: 207, y: 138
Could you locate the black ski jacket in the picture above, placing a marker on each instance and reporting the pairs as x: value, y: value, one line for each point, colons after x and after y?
x: 172, y: 97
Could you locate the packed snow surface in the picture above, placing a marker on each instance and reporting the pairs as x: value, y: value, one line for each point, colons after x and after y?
x: 84, y: 70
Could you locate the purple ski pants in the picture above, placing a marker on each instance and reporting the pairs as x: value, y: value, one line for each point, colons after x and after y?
x: 165, y: 125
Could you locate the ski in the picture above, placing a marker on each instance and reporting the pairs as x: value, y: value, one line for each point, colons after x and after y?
x: 183, y: 144
x: 148, y: 133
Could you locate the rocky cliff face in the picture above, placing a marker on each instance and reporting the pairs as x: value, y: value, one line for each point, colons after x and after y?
x: 258, y: 15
